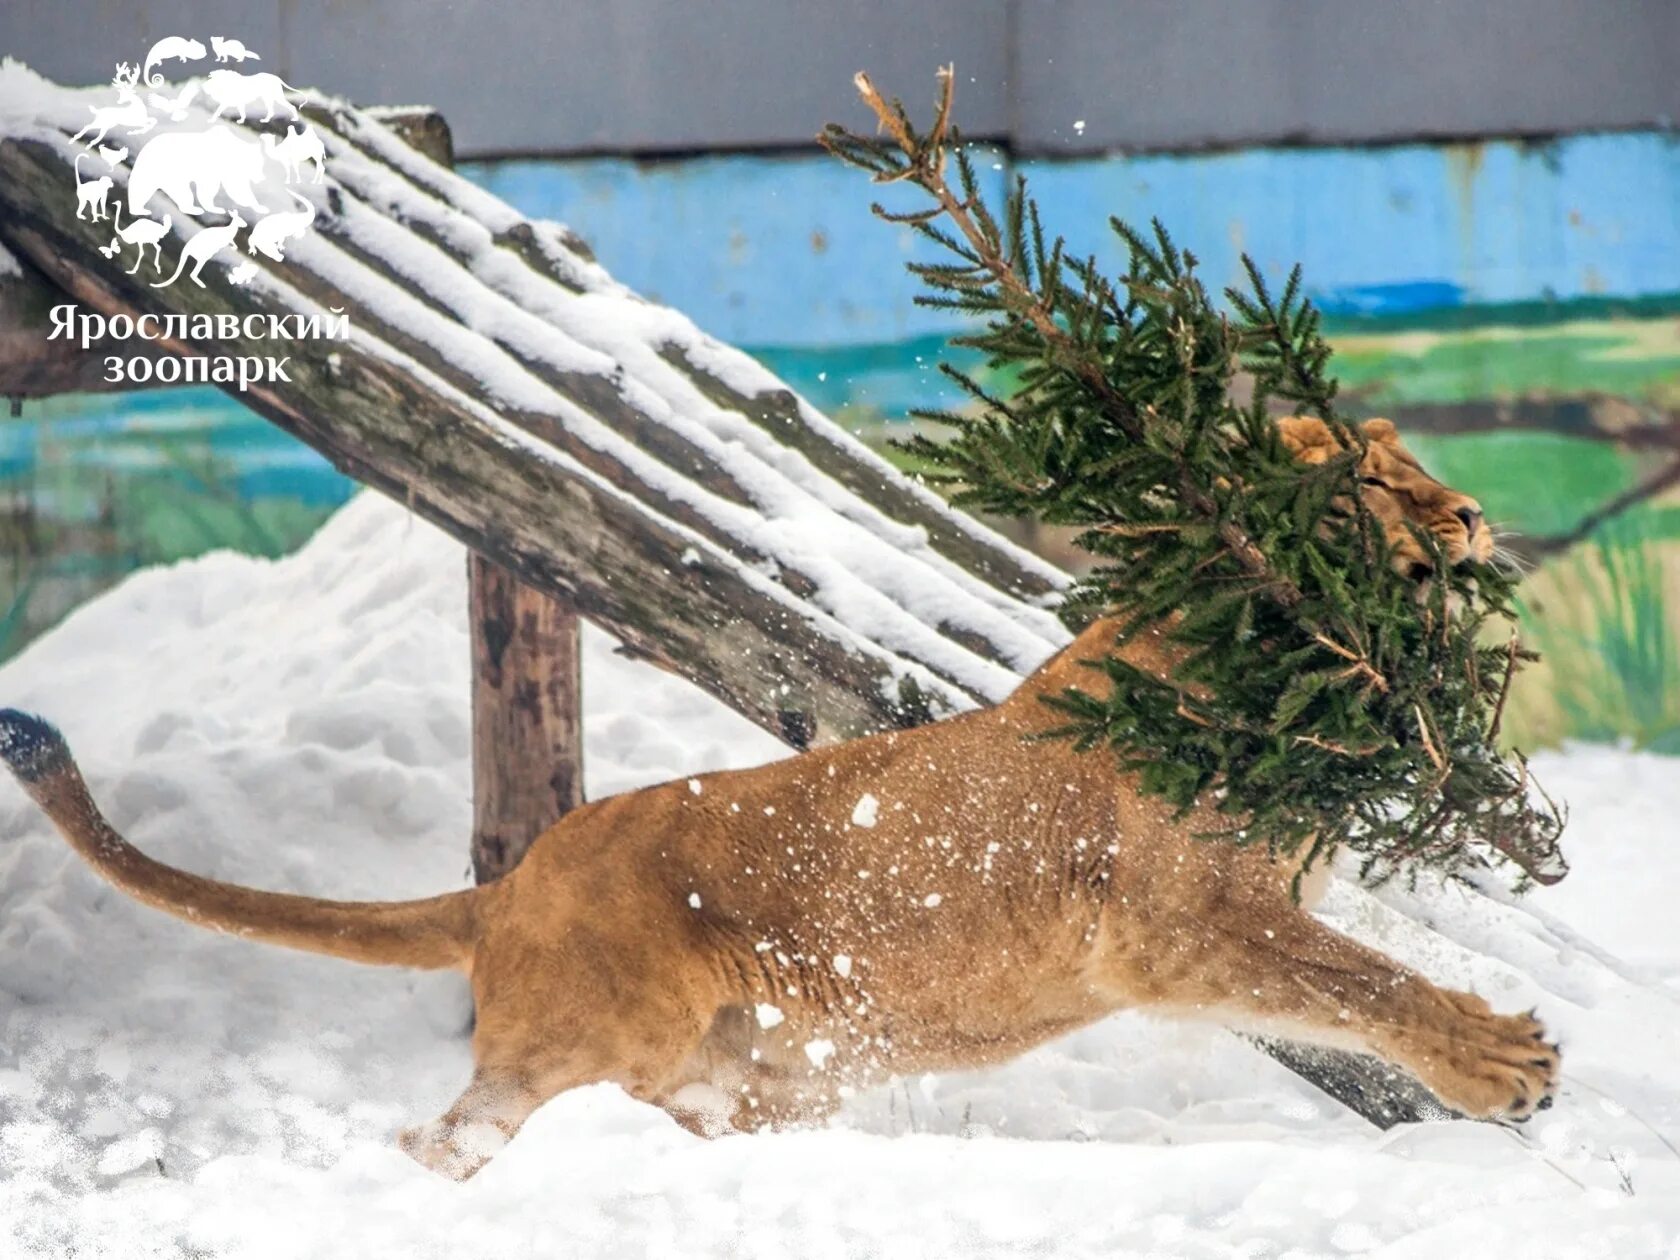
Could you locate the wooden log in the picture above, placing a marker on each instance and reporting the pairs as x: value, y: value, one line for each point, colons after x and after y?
x: 725, y: 376
x: 536, y: 330
x: 527, y: 724
x: 32, y: 364
x: 669, y: 595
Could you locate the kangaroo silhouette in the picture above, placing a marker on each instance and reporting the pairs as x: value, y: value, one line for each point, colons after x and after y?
x: 202, y: 248
x: 91, y: 194
x: 142, y: 232
x: 175, y: 46
x: 196, y: 167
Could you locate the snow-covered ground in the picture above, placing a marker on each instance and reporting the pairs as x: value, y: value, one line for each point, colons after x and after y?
x: 302, y: 724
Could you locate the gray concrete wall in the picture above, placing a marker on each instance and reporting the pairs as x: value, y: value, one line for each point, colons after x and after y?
x: 1050, y: 76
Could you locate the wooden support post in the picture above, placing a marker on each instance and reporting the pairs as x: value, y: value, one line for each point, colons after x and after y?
x: 527, y: 721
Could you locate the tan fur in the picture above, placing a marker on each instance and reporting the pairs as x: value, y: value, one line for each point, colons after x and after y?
x: 932, y: 899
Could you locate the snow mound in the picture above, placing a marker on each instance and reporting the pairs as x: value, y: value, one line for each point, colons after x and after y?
x: 302, y: 724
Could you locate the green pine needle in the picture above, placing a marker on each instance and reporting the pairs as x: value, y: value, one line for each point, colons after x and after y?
x: 1319, y: 701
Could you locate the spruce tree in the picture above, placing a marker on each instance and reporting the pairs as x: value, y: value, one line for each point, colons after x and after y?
x: 1323, y: 700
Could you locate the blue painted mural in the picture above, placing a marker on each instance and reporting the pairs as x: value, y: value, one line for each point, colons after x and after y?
x: 1451, y: 273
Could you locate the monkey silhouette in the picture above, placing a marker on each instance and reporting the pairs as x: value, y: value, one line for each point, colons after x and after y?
x: 91, y: 193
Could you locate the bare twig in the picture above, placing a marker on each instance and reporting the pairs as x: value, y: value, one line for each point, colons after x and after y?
x: 1511, y: 649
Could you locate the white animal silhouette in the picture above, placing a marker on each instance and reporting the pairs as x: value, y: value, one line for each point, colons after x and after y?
x: 91, y: 194
x: 231, y: 50
x: 242, y: 274
x: 113, y: 157
x: 142, y: 232
x: 129, y: 112
x: 176, y: 108
x: 232, y: 90
x: 270, y: 234
x: 115, y: 247
x: 194, y: 167
x: 171, y: 46
x: 202, y: 248
x: 297, y: 148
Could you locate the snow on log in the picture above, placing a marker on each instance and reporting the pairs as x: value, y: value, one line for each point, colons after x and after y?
x: 844, y: 598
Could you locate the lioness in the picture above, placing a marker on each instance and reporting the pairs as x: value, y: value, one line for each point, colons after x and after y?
x: 741, y: 948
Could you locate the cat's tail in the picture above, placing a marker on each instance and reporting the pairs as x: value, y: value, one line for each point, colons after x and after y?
x: 436, y: 932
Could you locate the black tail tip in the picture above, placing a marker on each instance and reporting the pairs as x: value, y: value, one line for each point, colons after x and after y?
x: 30, y: 746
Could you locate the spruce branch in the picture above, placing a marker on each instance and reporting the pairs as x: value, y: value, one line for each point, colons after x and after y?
x: 1319, y: 697
x: 924, y: 165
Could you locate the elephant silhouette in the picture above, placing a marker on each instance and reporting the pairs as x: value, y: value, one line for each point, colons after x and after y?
x: 194, y: 168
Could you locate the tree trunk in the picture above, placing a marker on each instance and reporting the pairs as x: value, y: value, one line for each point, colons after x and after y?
x: 527, y: 720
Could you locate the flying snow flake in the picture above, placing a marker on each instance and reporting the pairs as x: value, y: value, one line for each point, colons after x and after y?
x: 843, y: 964
x: 932, y: 900
x: 694, y: 786
x: 819, y: 1052
x: 866, y: 810
x: 691, y: 557
x: 768, y: 1016
x: 1078, y: 126
x: 694, y: 900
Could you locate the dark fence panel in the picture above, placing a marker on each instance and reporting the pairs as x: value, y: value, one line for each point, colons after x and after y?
x: 1054, y: 76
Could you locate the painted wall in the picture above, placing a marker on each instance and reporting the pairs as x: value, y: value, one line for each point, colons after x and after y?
x: 1453, y: 273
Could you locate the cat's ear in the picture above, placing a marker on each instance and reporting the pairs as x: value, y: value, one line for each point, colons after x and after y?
x: 1307, y: 438
x: 1380, y: 430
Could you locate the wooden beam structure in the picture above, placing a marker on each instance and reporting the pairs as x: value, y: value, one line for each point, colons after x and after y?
x: 527, y: 724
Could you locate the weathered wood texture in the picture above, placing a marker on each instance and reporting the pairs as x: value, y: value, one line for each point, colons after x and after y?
x: 553, y: 483
x: 32, y: 365
x: 527, y: 679
x: 527, y: 723
x: 673, y: 598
